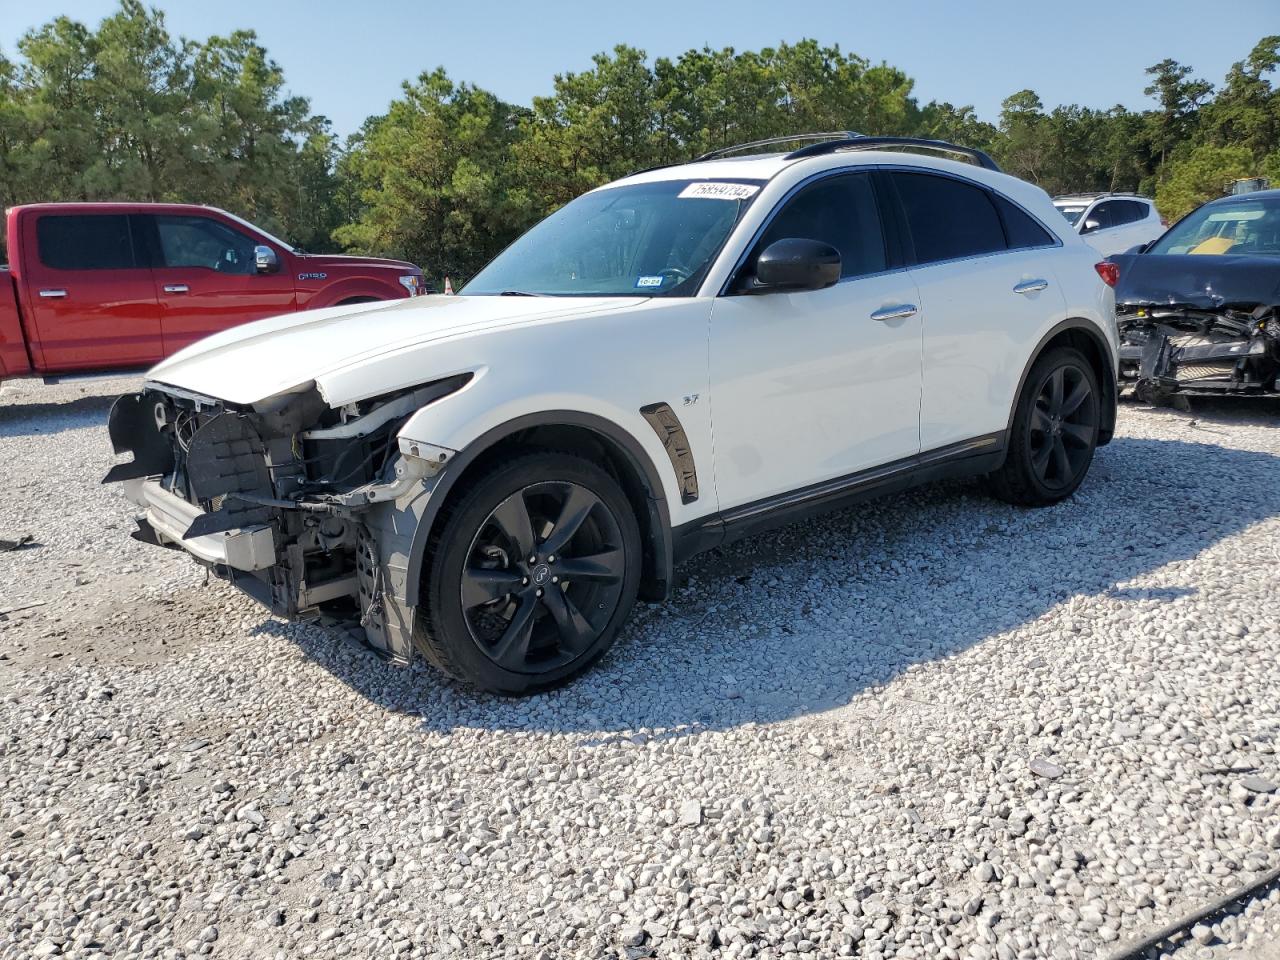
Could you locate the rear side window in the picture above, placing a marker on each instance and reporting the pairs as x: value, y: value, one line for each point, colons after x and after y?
x: 1128, y: 211
x: 840, y: 211
x: 948, y: 219
x: 87, y: 242
x: 1021, y: 229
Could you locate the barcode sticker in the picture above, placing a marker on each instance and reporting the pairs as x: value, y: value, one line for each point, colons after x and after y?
x: 708, y: 190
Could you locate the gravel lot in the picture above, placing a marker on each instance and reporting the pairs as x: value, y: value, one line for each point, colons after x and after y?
x: 931, y: 726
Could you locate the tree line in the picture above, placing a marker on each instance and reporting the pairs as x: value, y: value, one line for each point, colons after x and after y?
x: 451, y: 173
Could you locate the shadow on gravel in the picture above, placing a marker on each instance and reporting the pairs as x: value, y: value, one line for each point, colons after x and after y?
x: 25, y: 419
x: 1252, y: 411
x: 804, y: 619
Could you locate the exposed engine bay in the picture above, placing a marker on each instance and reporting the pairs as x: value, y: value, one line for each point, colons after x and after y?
x: 292, y: 501
x: 1198, y: 325
x: 1176, y: 350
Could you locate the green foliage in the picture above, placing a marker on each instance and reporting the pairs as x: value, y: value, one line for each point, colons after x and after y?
x: 126, y: 112
x: 433, y: 177
x: 1206, y: 172
x: 450, y: 173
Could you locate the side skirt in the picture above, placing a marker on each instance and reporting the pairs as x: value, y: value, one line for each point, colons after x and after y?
x: 968, y: 458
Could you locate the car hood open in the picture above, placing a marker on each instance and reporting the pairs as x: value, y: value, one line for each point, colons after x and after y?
x: 1197, y: 282
x: 257, y: 360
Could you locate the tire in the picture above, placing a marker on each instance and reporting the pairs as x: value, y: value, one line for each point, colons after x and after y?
x: 1055, y: 431
x: 352, y: 301
x: 504, y: 611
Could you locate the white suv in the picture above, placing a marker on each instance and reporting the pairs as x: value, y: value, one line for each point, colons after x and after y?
x: 1112, y: 222
x: 686, y: 356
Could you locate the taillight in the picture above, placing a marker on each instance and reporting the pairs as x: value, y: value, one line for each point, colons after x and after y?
x: 1109, y: 272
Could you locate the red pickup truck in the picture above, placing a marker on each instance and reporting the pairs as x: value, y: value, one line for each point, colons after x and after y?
x: 98, y: 287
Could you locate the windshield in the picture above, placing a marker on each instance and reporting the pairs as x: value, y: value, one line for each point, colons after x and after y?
x: 1250, y: 227
x: 1071, y: 213
x: 646, y: 239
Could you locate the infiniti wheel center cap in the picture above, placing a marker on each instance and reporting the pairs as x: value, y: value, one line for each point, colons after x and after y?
x: 541, y: 574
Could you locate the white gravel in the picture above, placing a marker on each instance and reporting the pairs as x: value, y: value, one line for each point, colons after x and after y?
x: 933, y: 726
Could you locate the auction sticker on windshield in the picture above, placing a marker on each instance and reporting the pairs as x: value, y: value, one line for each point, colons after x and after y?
x: 719, y: 191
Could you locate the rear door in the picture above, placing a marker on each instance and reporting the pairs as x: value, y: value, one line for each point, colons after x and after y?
x: 1140, y: 226
x: 206, y: 277
x: 92, y: 300
x: 986, y: 293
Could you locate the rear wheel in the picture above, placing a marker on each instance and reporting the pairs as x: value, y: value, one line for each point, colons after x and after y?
x: 532, y: 575
x: 1055, y: 431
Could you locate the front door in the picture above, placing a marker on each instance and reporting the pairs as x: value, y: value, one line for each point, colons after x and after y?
x: 92, y: 302
x: 817, y: 385
x: 206, y: 279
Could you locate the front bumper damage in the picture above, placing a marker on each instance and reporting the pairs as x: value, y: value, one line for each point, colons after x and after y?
x: 309, y: 510
x: 1167, y: 350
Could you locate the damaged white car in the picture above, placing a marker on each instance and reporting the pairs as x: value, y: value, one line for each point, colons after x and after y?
x: 669, y: 362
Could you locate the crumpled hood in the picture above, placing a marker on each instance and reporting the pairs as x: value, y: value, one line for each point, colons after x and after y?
x: 257, y: 360
x: 1197, y: 281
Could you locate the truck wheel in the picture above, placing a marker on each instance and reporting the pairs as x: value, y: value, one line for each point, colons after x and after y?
x: 531, y: 575
x: 1055, y: 431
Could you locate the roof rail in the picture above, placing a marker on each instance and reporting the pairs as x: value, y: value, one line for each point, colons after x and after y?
x: 774, y: 141
x: 859, y: 142
x: 1095, y: 194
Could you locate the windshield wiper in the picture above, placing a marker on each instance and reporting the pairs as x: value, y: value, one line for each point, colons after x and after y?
x: 516, y: 293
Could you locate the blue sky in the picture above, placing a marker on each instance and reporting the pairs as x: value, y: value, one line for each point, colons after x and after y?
x: 350, y: 58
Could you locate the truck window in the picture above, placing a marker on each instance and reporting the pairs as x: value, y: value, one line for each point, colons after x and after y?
x: 85, y: 242
x: 201, y: 242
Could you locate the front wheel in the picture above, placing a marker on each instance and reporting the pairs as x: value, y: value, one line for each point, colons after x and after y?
x: 1055, y: 431
x: 532, y: 575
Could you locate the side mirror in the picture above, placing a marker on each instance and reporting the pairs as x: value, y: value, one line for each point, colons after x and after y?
x: 794, y: 263
x: 1090, y: 226
x: 1140, y: 248
x: 265, y: 259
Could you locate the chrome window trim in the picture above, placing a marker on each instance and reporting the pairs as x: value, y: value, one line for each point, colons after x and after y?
x: 1057, y: 240
x: 869, y: 168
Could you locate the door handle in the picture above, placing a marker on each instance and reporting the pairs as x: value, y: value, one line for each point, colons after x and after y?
x: 175, y: 288
x: 1030, y: 286
x: 53, y: 294
x: 895, y: 313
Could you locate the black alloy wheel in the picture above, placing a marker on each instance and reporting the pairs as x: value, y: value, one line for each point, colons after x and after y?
x: 1054, y: 431
x: 543, y: 576
x: 1064, y: 424
x: 533, y: 570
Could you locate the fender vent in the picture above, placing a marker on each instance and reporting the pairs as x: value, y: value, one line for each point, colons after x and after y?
x: 670, y: 431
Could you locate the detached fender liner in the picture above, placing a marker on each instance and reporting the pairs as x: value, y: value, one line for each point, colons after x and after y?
x: 132, y: 428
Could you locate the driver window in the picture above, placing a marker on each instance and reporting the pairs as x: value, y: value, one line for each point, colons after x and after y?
x: 201, y: 242
x: 838, y: 210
